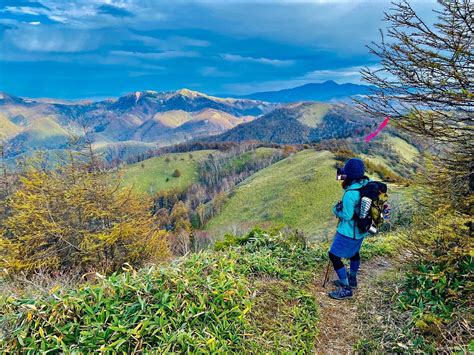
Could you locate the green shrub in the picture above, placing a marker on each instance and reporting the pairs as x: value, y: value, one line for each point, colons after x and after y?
x: 173, y: 310
x: 433, y: 297
x: 383, y: 244
x: 208, y: 302
x: 437, y: 290
x: 284, y: 256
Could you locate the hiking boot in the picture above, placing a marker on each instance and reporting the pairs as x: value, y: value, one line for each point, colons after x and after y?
x: 341, y: 293
x: 352, y: 282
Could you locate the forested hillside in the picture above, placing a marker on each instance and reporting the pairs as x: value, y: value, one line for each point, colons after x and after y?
x: 301, y: 123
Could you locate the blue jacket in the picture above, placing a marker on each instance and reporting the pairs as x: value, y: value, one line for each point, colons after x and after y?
x: 350, y: 205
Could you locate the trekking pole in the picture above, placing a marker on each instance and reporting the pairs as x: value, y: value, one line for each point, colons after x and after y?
x: 326, y: 274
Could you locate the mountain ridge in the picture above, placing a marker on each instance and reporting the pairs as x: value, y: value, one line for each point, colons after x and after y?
x: 301, y: 123
x: 327, y: 91
x: 136, y: 116
x: 167, y: 118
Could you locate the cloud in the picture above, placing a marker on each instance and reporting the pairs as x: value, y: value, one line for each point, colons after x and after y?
x: 236, y: 46
x: 24, y: 10
x: 59, y: 39
x: 239, y: 58
x: 189, y: 42
x: 113, y: 11
x: 156, y: 55
x: 348, y: 74
x: 171, y: 42
x: 210, y: 71
x: 27, y: 3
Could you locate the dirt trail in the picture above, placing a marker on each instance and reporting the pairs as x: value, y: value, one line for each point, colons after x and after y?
x: 337, y: 326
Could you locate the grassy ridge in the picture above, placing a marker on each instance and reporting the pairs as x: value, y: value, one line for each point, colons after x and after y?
x: 405, y: 149
x: 239, y: 162
x: 313, y: 115
x: 150, y: 175
x: 298, y: 191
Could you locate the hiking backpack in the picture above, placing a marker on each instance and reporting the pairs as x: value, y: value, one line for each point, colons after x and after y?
x: 373, y: 201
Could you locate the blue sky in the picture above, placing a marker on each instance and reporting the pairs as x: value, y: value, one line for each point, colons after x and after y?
x: 103, y: 48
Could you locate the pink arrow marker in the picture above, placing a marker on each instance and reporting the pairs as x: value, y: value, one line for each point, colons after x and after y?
x: 379, y: 129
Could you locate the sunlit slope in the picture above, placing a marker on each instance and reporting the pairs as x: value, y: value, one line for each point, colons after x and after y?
x: 7, y: 128
x: 405, y: 149
x: 314, y: 115
x: 151, y: 175
x: 298, y: 191
x: 43, y: 133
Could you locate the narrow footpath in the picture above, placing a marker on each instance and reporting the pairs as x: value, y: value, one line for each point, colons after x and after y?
x: 338, y: 319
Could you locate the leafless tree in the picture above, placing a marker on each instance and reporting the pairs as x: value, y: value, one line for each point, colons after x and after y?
x: 425, y: 82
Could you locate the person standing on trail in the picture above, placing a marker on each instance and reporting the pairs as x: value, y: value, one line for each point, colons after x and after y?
x: 348, y: 238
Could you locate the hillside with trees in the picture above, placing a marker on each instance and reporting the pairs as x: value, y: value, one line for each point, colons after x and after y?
x: 279, y: 196
x: 302, y: 123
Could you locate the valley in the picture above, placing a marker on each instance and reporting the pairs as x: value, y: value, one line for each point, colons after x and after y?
x: 234, y: 163
x: 292, y: 192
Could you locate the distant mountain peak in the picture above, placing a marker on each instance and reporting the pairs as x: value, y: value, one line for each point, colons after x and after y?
x: 189, y: 93
x: 327, y: 91
x: 138, y: 94
x: 330, y: 82
x: 6, y: 98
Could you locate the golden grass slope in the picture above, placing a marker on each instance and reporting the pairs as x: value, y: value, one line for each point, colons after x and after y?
x: 405, y: 149
x: 7, y: 128
x: 173, y: 118
x: 313, y: 115
x: 220, y: 118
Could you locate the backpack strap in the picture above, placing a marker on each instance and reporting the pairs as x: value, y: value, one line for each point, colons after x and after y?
x: 354, y: 215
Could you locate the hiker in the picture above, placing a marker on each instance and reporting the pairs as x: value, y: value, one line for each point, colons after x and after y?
x: 349, y: 237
